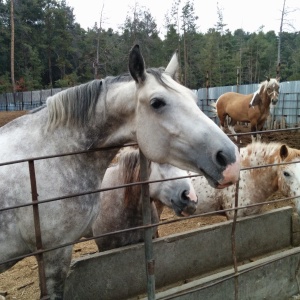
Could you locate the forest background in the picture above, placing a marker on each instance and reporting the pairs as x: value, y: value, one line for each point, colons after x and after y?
x: 41, y: 46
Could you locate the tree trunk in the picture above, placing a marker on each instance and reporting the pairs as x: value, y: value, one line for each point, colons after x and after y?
x: 12, y: 48
x: 185, y: 58
x: 96, y: 64
x: 50, y: 68
x: 279, y: 41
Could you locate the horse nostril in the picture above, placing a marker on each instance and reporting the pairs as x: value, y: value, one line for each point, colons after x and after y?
x: 221, y: 159
x: 184, y: 195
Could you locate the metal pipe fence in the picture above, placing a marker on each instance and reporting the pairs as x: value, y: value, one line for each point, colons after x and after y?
x: 149, y: 261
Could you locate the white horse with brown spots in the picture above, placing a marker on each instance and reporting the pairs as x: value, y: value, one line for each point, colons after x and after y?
x: 257, y: 184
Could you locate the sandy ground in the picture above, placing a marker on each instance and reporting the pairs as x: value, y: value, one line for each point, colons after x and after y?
x: 21, y: 281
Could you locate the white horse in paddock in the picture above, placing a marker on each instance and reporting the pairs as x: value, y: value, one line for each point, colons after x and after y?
x: 255, y: 185
x: 146, y: 106
x: 122, y: 208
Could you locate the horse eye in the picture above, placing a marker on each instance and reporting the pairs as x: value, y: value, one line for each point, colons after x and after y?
x: 157, y: 103
x: 286, y: 174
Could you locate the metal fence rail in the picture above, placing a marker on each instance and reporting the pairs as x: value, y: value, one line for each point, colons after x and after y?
x: 150, y: 270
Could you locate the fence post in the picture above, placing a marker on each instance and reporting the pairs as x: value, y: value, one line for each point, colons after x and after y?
x: 233, y: 242
x: 207, y: 86
x: 38, y: 235
x: 237, y: 79
x: 150, y: 263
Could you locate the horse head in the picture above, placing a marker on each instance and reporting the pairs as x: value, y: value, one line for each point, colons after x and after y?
x: 170, y: 128
x: 289, y: 174
x: 272, y: 89
x: 178, y: 194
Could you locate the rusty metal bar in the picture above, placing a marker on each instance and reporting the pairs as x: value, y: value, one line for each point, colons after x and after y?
x: 147, y: 226
x: 233, y: 241
x: 66, y: 154
x: 38, y: 234
x: 150, y: 266
x: 131, y: 144
x: 142, y: 182
x: 146, y: 207
x: 96, y: 191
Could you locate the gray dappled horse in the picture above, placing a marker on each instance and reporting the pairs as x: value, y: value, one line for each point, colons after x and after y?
x: 146, y: 106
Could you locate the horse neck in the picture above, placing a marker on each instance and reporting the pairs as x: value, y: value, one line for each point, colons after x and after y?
x: 118, y: 124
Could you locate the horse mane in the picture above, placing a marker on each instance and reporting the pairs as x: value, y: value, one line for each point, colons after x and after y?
x: 74, y: 106
x: 267, y: 151
x: 129, y: 164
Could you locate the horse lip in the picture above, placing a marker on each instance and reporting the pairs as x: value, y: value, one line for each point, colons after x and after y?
x: 179, y: 211
x: 215, y: 184
x: 222, y: 186
x: 184, y: 214
x: 210, y: 180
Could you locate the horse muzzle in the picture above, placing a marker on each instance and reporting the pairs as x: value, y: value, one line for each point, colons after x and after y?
x: 184, y: 209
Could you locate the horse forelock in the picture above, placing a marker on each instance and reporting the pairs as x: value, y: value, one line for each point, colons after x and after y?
x: 74, y: 106
x: 272, y: 83
x: 157, y: 73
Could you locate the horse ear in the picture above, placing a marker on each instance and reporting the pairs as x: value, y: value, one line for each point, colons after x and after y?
x: 268, y: 78
x: 173, y: 66
x: 278, y: 78
x: 137, y: 64
x: 256, y: 100
x: 284, y: 152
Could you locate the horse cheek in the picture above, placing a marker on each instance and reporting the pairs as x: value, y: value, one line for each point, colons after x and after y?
x: 156, y: 149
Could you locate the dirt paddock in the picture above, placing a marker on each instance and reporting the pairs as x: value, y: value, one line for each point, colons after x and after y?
x: 21, y: 281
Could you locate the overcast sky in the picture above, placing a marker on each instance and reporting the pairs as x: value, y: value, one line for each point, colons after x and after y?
x: 248, y: 15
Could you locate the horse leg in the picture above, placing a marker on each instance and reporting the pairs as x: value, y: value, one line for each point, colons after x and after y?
x: 156, y: 210
x: 260, y: 126
x: 231, y: 128
x: 11, y: 243
x: 222, y: 118
x: 57, y: 263
x: 258, y: 137
x: 254, y: 137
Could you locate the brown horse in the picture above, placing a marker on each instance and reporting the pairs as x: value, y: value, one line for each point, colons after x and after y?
x: 251, y: 108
